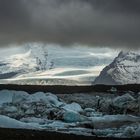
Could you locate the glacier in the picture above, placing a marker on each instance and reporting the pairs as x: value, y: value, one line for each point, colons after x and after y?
x: 36, y: 63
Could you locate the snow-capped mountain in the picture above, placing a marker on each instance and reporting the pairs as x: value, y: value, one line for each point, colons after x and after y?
x: 125, y: 69
x: 35, y: 58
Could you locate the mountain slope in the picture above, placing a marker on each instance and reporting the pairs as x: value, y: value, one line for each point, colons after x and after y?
x: 125, y: 69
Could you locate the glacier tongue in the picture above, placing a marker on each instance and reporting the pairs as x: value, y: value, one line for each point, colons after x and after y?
x: 125, y: 69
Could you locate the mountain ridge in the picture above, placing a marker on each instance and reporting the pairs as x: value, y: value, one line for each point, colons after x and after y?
x: 125, y: 69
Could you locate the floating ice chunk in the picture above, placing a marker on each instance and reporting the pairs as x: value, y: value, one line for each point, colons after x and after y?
x: 59, y: 124
x: 111, y: 121
x: 30, y: 111
x: 71, y: 116
x: 73, y: 107
x: 46, y: 98
x: 10, y: 109
x: 137, y: 133
x: 5, y: 96
x: 129, y: 132
x: 20, y: 96
x: 120, y: 101
x: 54, y: 101
x: 33, y: 120
x: 50, y: 94
x: 113, y: 90
x: 6, y: 122
x: 89, y: 110
x: 37, y: 97
x: 9, y: 96
x: 92, y: 112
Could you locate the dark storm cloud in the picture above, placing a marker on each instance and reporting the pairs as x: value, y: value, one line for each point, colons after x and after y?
x: 91, y: 22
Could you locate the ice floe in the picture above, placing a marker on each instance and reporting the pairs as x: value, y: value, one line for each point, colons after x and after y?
x: 46, y: 111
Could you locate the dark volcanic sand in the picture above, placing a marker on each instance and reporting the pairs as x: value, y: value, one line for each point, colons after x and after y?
x: 22, y: 134
x: 62, y: 89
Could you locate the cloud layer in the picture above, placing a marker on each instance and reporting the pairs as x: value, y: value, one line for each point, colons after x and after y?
x: 89, y: 22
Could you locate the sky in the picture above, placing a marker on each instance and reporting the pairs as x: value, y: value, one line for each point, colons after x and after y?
x: 112, y: 23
